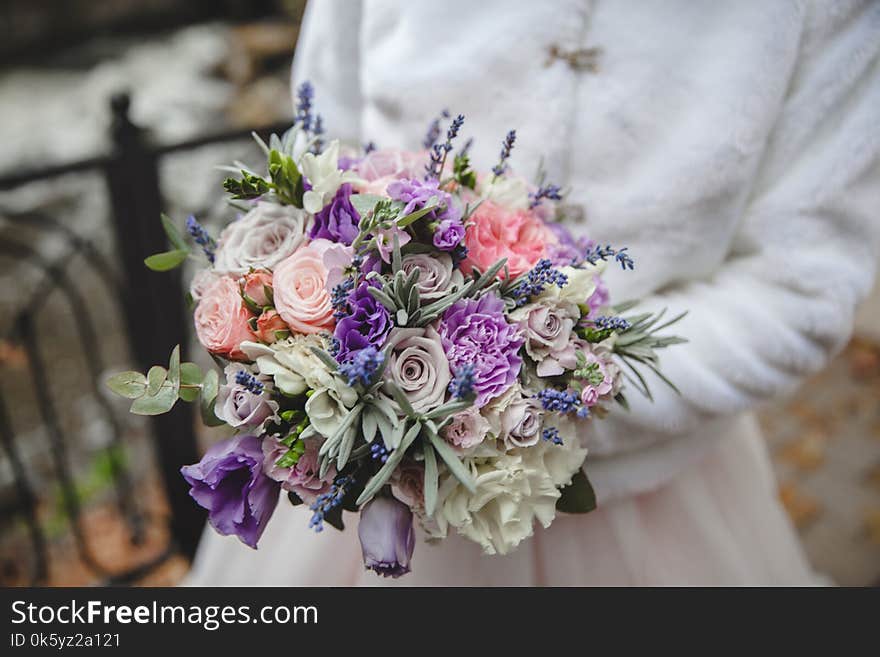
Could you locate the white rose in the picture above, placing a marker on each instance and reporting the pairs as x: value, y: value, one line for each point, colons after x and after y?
x: 203, y: 279
x: 580, y: 286
x: 513, y: 490
x: 437, y: 277
x: 265, y: 236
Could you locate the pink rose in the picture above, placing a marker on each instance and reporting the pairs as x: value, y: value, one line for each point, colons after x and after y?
x: 221, y: 319
x: 494, y: 233
x: 380, y: 168
x: 254, y: 286
x: 268, y: 326
x: 467, y: 428
x: 301, y: 478
x: 300, y: 289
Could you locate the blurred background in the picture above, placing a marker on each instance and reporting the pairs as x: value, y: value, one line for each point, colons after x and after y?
x: 113, y: 111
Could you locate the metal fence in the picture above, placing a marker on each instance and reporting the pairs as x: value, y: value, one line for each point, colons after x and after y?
x: 155, y: 319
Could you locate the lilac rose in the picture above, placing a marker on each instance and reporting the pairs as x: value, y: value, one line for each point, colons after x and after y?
x: 476, y: 333
x: 367, y: 324
x: 244, y: 400
x: 229, y: 483
x: 338, y: 220
x: 387, y: 536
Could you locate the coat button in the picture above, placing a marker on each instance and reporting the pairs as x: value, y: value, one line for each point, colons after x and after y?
x: 579, y: 59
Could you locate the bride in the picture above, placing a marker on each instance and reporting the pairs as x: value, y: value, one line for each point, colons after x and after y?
x: 733, y: 147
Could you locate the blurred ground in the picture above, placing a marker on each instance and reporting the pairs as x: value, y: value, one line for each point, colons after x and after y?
x: 825, y: 440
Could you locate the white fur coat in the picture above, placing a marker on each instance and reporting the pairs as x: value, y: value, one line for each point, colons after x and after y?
x: 732, y: 146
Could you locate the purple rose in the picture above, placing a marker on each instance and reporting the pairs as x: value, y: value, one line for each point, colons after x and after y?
x: 229, y: 482
x: 338, y: 220
x: 476, y: 333
x: 368, y: 323
x: 448, y: 234
x: 387, y: 537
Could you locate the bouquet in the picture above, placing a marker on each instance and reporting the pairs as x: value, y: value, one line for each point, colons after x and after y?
x: 400, y: 336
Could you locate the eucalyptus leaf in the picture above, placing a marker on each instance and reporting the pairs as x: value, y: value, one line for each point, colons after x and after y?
x: 130, y: 385
x: 166, y: 261
x: 210, y: 387
x: 190, y: 375
x: 156, y: 376
x: 174, y: 236
x: 364, y: 203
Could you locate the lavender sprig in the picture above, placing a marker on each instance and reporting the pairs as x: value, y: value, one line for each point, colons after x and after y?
x: 611, y: 323
x: 439, y: 152
x: 550, y: 192
x: 328, y: 501
x: 462, y: 384
x: 433, y: 133
x: 600, y: 252
x: 362, y: 367
x: 201, y: 237
x: 249, y: 382
x: 538, y: 278
x: 506, y: 148
x: 305, y: 94
x: 551, y: 434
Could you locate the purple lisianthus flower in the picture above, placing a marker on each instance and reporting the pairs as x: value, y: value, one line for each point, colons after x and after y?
x: 229, y: 482
x: 387, y: 537
x: 338, y: 220
x: 448, y: 231
x: 476, y: 333
x: 367, y: 325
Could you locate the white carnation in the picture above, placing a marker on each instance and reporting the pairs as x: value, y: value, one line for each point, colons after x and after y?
x: 262, y: 238
x: 513, y: 490
x: 508, y: 191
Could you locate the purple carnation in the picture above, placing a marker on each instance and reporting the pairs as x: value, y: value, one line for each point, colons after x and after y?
x: 367, y: 325
x: 448, y: 231
x: 229, y: 482
x: 449, y: 234
x: 338, y: 220
x: 475, y: 333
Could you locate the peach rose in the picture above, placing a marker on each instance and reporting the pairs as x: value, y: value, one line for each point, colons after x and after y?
x: 300, y: 290
x: 494, y: 233
x: 382, y: 167
x: 221, y: 319
x: 268, y: 324
x: 254, y: 285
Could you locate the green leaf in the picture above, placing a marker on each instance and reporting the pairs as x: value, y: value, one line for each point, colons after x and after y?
x: 326, y: 358
x: 166, y: 261
x: 130, y: 385
x: 412, y: 217
x: 401, y: 399
x: 450, y: 457
x: 364, y: 203
x: 174, y: 236
x: 190, y: 375
x: 384, y: 474
x: 250, y: 186
x: 155, y: 378
x: 432, y: 478
x: 210, y: 387
x: 578, y: 496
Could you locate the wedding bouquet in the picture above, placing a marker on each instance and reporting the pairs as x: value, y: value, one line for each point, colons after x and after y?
x: 401, y: 337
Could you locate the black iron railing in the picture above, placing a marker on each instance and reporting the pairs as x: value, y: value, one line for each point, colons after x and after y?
x: 155, y: 319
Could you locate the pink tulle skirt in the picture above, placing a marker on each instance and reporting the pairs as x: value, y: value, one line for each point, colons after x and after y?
x: 717, y: 523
